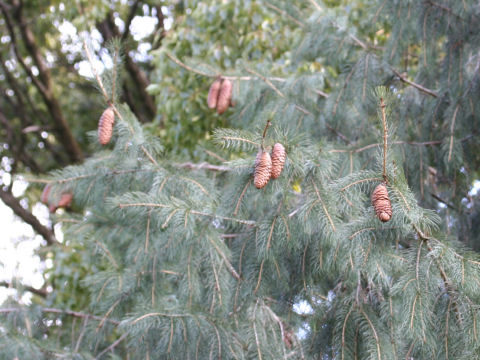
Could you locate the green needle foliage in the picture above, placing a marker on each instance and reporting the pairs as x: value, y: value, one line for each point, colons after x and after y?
x: 191, y: 261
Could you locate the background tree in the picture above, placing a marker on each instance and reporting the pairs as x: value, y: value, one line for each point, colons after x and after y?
x: 191, y: 261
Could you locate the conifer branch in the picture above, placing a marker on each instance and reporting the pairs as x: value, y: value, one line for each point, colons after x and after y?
x: 324, y: 207
x: 195, y: 212
x: 255, y: 329
x: 316, y: 5
x: 65, y: 312
x: 203, y: 166
x: 339, y: 96
x: 375, y: 335
x: 385, y: 139
x: 360, y: 231
x: 237, y: 207
x: 112, y: 346
x: 227, y: 138
x: 259, y: 277
x: 267, y: 81
x: 227, y: 262
x: 452, y: 127
x: 284, y: 13
x: 343, y: 330
x: 415, y: 85
x: 360, y: 181
x: 199, y: 72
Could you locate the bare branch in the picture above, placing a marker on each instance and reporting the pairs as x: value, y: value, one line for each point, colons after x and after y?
x: 12, y: 202
x: 40, y: 292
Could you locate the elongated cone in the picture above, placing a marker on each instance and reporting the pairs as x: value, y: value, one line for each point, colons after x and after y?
x: 105, y: 126
x: 213, y: 93
x: 224, y: 96
x: 381, y: 203
x: 278, y: 160
x: 65, y: 201
x: 263, y: 169
x: 45, y: 193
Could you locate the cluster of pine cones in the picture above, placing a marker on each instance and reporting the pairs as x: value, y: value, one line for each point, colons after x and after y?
x: 220, y: 95
x: 269, y: 166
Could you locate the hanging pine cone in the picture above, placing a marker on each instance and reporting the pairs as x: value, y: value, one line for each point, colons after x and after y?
x: 278, y: 159
x: 105, y: 126
x: 381, y: 203
x: 45, y: 193
x: 213, y: 93
x: 263, y: 169
x: 65, y: 202
x: 224, y: 96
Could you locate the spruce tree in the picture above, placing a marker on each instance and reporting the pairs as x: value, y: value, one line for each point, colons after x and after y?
x: 193, y: 260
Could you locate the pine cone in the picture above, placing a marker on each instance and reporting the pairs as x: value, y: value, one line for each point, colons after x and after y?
x: 45, y: 193
x: 381, y: 203
x: 213, y: 93
x: 224, y: 96
x: 278, y: 159
x: 263, y: 169
x: 105, y: 126
x: 65, y: 201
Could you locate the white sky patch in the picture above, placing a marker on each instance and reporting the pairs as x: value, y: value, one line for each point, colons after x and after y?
x: 142, y: 26
x: 475, y: 188
x: 17, y: 256
x: 302, y: 307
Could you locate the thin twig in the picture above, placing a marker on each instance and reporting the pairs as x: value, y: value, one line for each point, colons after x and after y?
x: 267, y: 81
x: 452, y: 127
x: 112, y: 346
x: 227, y: 262
x: 415, y: 85
x: 385, y: 138
x: 324, y: 207
x: 202, y: 166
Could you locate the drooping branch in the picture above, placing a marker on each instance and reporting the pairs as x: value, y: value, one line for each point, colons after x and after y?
x: 13, y: 203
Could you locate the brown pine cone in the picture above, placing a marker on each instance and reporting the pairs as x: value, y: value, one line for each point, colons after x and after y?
x: 213, y: 93
x: 45, y: 193
x: 224, y: 96
x: 263, y: 169
x: 65, y: 201
x: 278, y: 159
x: 381, y: 203
x: 105, y: 126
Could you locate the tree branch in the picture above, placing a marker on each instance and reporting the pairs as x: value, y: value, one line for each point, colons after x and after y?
x: 40, y: 292
x: 415, y: 85
x: 66, y: 312
x: 202, y: 166
x: 13, y: 203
